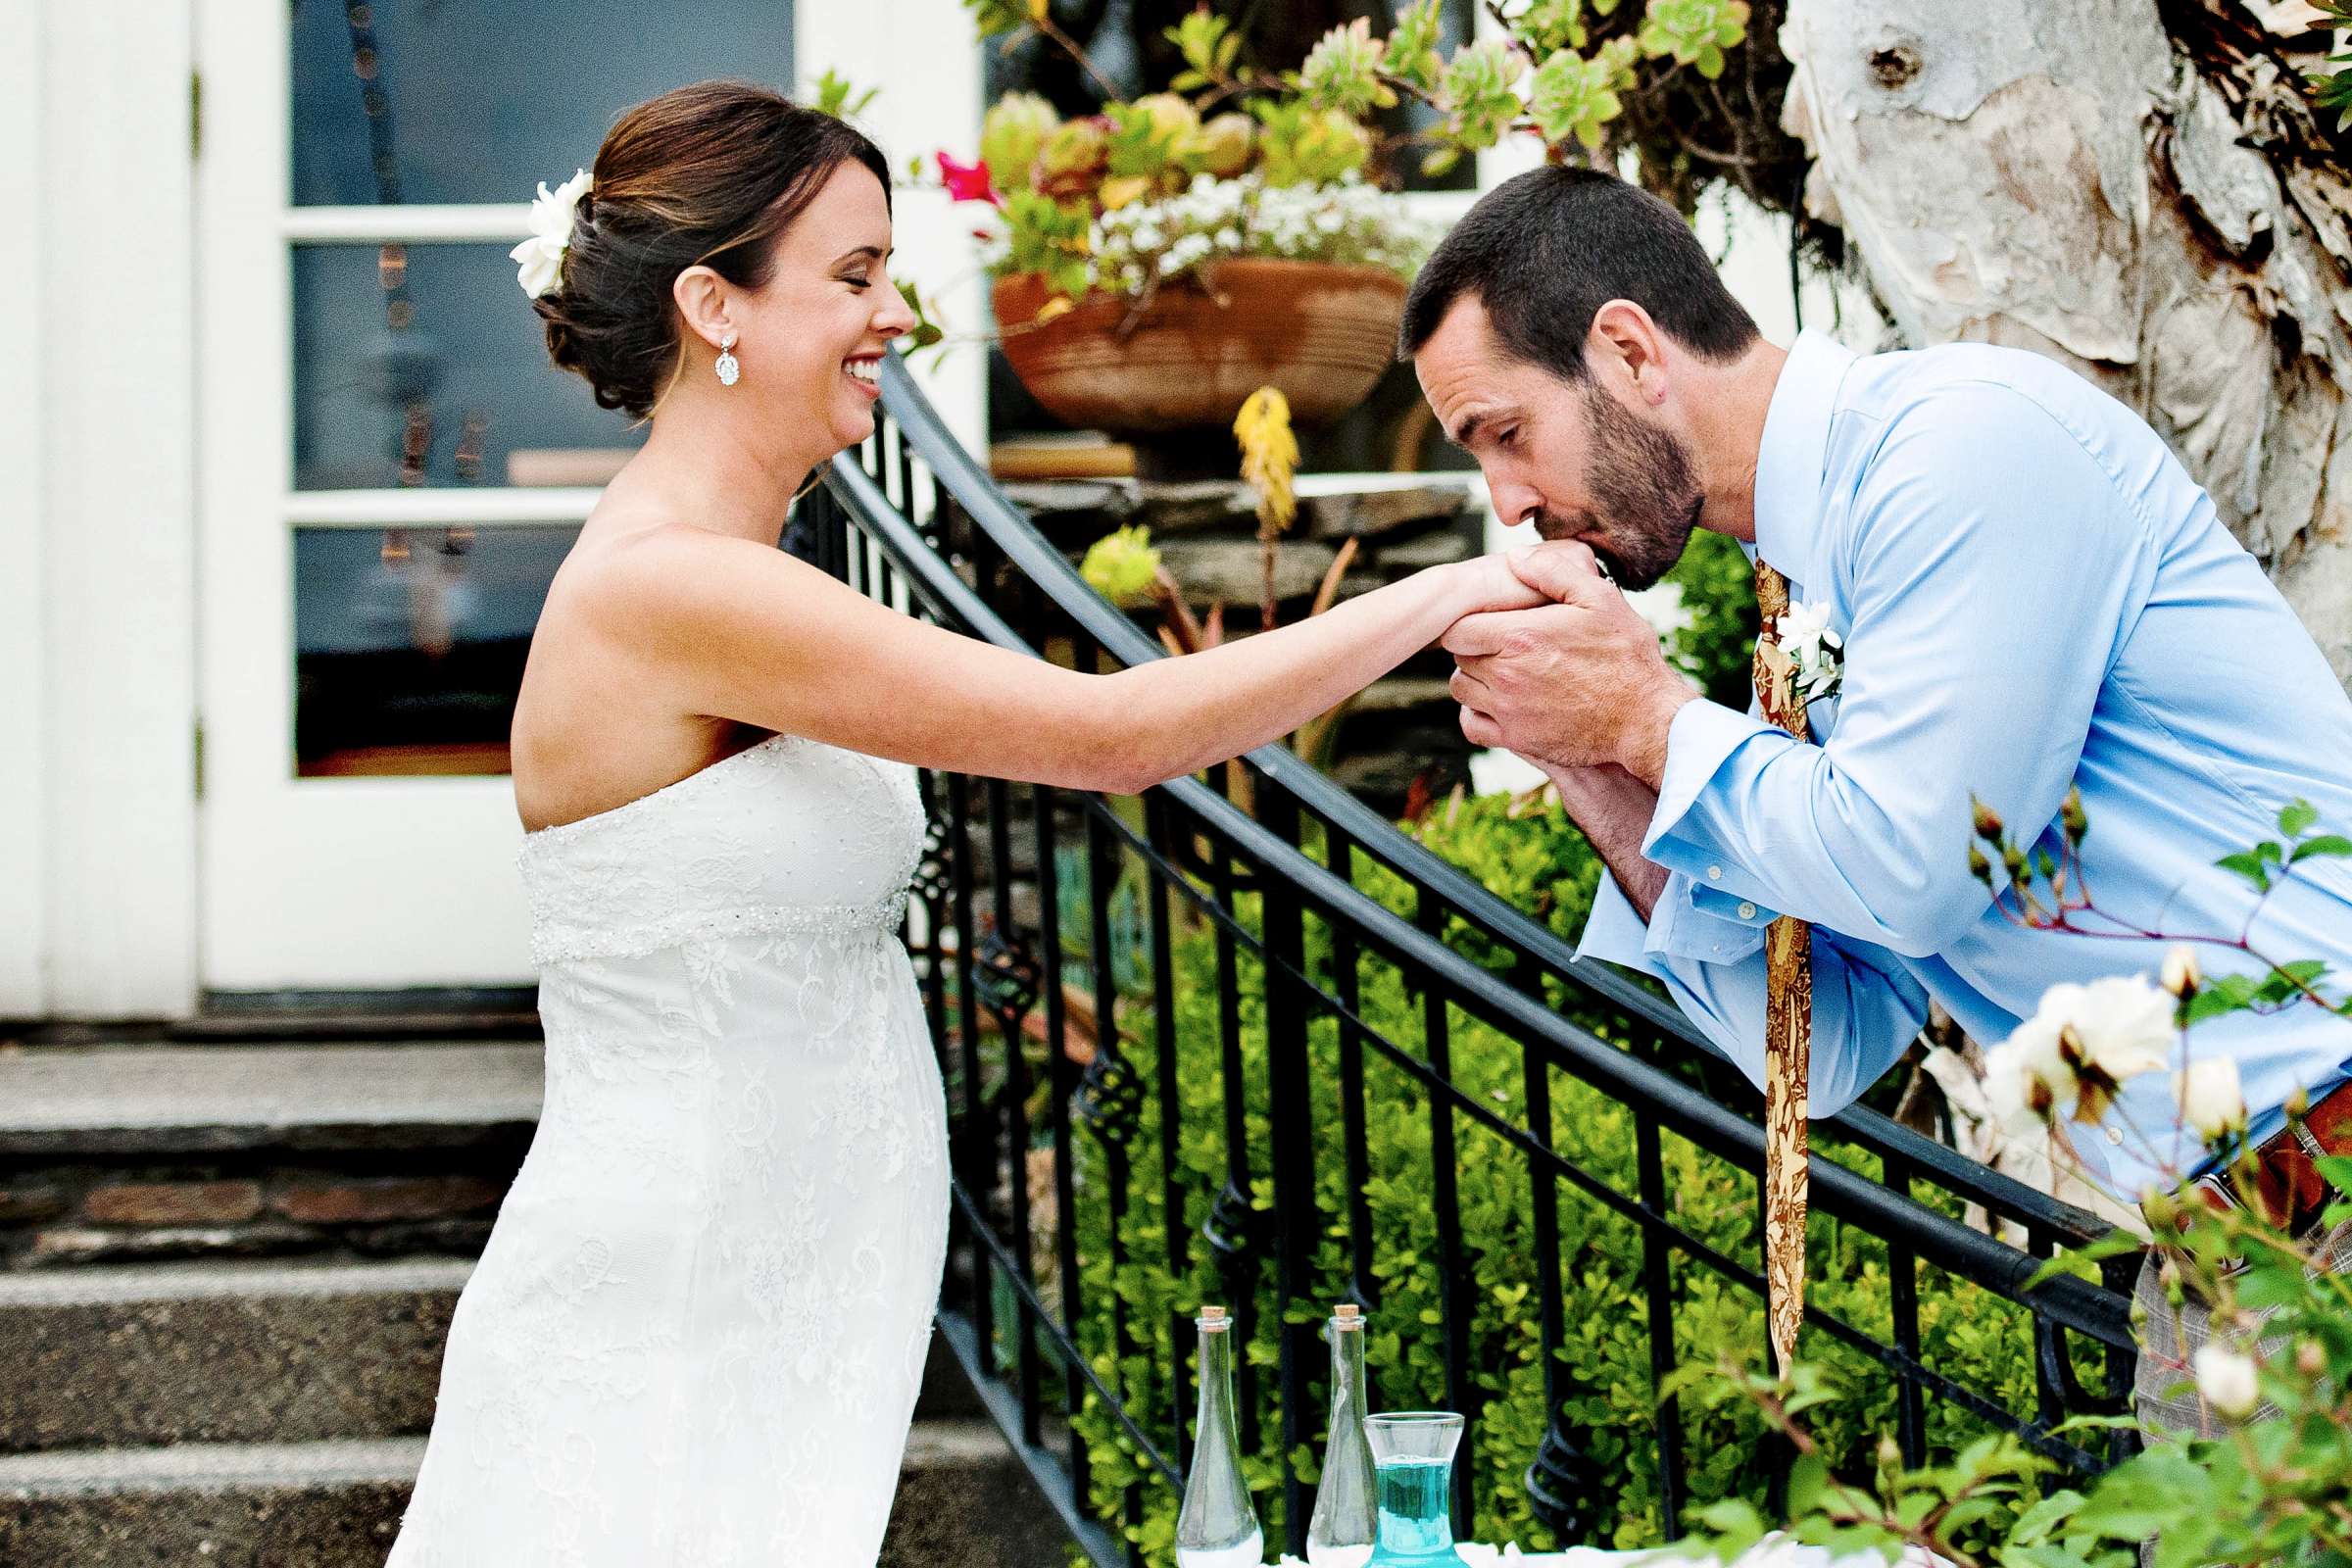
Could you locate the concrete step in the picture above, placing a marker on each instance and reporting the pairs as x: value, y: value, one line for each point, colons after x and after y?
x: 963, y: 1503
x: 288, y: 1505
x: 75, y: 1101
x: 248, y: 1353
x: 116, y: 1153
x: 224, y: 1352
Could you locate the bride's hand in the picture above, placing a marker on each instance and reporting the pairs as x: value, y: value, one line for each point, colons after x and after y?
x: 1488, y: 582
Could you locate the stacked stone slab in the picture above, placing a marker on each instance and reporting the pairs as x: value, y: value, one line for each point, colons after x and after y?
x: 226, y: 1276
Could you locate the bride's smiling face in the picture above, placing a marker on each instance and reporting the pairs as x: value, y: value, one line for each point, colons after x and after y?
x: 811, y: 339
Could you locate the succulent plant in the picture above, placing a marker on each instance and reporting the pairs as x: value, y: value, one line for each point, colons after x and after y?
x: 1074, y: 158
x: 1012, y: 133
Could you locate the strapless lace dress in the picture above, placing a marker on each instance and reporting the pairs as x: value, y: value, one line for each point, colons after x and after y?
x: 695, y: 1335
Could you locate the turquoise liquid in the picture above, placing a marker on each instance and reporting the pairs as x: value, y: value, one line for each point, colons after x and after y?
x: 1415, y: 1525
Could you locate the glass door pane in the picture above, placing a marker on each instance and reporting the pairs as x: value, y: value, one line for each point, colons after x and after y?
x: 423, y: 366
x: 438, y: 101
x: 409, y: 645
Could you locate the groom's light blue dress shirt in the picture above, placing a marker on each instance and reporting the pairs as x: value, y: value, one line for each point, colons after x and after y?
x: 2033, y: 594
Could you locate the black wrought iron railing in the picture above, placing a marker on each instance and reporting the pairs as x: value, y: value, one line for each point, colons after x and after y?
x: 1286, y: 1055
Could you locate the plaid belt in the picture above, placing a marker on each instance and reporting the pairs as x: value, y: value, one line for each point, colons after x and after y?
x: 2287, y: 1182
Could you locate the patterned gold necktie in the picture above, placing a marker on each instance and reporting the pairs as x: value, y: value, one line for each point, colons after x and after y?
x: 1787, y: 1019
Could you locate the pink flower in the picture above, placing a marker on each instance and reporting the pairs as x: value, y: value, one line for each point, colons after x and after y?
x: 969, y: 182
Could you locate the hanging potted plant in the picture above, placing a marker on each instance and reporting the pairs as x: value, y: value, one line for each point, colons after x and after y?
x: 1160, y: 262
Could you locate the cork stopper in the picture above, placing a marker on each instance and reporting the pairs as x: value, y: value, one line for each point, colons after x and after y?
x: 1212, y: 1317
x: 1348, y: 1315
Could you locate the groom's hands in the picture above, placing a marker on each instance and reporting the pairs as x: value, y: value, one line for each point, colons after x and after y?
x: 1577, y: 683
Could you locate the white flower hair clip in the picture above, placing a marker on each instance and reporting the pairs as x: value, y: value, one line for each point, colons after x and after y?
x: 1803, y: 634
x: 539, y: 259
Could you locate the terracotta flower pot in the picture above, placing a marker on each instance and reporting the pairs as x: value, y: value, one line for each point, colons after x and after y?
x: 1322, y: 333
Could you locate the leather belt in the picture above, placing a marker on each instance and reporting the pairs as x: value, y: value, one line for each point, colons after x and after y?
x: 2287, y: 1184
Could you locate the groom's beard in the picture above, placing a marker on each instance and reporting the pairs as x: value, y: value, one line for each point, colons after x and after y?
x: 1645, y: 499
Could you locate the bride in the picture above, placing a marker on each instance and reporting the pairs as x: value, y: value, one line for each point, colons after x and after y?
x: 695, y: 1333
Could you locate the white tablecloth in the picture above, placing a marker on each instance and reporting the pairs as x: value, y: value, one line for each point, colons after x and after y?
x: 1768, y: 1553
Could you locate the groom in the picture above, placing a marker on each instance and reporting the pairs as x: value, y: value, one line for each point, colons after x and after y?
x: 2029, y: 594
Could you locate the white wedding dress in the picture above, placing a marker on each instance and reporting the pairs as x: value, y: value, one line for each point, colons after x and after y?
x: 695, y: 1335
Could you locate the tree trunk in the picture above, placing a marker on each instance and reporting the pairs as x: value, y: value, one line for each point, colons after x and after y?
x: 2136, y: 189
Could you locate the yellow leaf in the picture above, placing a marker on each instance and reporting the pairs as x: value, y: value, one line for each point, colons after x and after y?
x: 1117, y: 193
x: 1037, y: 10
x: 1059, y: 305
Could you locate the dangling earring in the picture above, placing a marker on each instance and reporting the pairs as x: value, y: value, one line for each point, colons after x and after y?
x: 728, y: 369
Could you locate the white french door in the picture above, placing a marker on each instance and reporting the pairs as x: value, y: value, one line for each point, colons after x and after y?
x: 390, y: 470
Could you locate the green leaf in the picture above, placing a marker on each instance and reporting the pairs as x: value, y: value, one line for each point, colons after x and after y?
x: 2267, y: 1286
x: 2046, y: 1556
x: 2338, y: 1168
x: 2248, y: 866
x: 2324, y: 844
x: 2296, y: 816
x: 2037, y: 1522
x: 2227, y: 994
x: 2076, y: 1260
x: 2288, y: 981
x: 1731, y: 1517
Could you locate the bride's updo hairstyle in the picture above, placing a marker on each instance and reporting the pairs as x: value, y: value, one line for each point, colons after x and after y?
x: 706, y: 175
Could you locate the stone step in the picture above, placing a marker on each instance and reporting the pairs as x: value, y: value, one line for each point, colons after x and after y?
x: 113, y: 1154
x: 247, y: 1353
x: 224, y: 1352
x: 151, y: 1101
x: 963, y: 1503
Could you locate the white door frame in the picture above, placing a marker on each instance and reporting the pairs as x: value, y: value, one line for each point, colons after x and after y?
x: 365, y: 883
x: 316, y: 883
x: 97, y: 470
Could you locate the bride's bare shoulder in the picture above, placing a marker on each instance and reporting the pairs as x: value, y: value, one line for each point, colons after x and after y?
x: 660, y: 565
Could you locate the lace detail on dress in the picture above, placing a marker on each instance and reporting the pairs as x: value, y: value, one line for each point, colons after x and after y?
x: 554, y: 943
x: 696, y: 1332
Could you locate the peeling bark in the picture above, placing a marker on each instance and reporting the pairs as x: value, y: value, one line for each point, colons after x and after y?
x: 2136, y: 189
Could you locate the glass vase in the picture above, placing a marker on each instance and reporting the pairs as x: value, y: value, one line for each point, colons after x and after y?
x: 1413, y: 1452
x: 1217, y: 1526
x: 1347, y: 1518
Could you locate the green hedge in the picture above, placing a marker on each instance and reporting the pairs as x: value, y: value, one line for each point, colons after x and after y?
x: 1540, y: 861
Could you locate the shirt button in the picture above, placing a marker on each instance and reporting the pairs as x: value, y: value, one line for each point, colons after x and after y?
x: 1714, y: 873
x: 2115, y: 1135
x: 1748, y: 911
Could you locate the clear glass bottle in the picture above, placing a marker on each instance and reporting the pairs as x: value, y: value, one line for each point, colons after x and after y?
x: 1414, y: 1452
x: 1346, y: 1519
x: 1217, y: 1527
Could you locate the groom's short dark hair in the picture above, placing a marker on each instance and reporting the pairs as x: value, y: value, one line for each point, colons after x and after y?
x: 1543, y: 251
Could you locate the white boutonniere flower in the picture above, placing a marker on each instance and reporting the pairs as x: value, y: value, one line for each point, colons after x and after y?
x: 1803, y: 634
x: 539, y: 259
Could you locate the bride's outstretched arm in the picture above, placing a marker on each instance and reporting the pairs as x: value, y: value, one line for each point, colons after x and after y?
x: 731, y: 629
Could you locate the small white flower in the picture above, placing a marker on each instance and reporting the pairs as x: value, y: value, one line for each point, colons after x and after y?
x: 2181, y: 976
x: 1803, y: 634
x: 2083, y: 1042
x: 2226, y: 1378
x: 2027, y: 1079
x: 2122, y: 1025
x: 539, y: 259
x: 2210, y: 1099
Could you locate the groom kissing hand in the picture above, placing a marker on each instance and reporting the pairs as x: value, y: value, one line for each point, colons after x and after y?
x: 2003, y: 587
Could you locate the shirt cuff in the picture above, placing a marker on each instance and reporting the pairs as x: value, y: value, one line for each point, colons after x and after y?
x: 1679, y: 927
x: 1702, y: 744
x: 1614, y: 933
